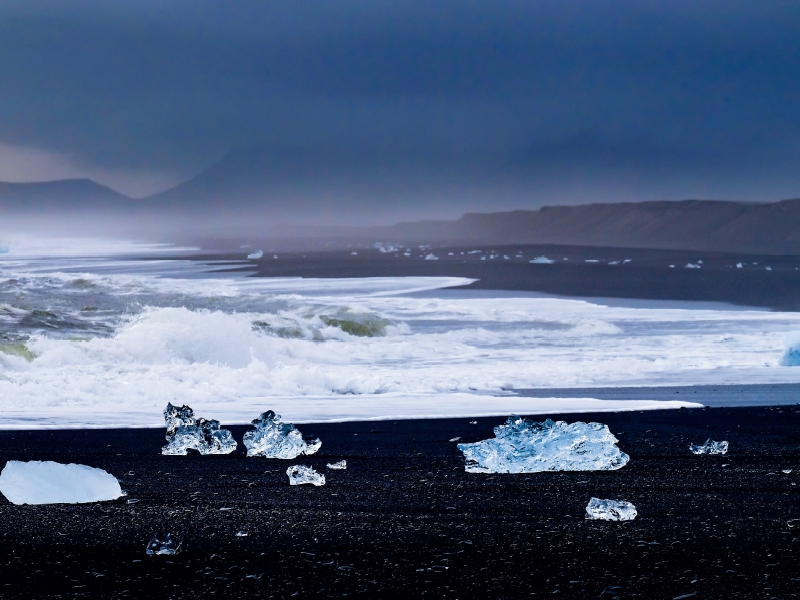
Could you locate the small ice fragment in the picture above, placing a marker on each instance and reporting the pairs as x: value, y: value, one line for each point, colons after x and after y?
x: 739, y: 265
x: 473, y: 422
x: 256, y: 255
x: 132, y: 501
x: 431, y: 256
x: 301, y: 474
x: 226, y: 508
x: 610, y: 510
x: 185, y: 432
x: 242, y: 534
x: 273, y: 438
x: 338, y: 466
x: 455, y: 439
x: 354, y: 253
x: 525, y: 446
x: 47, y: 482
x: 542, y: 260
x: 786, y: 471
x: 710, y: 447
x: 163, y: 544
x: 692, y: 266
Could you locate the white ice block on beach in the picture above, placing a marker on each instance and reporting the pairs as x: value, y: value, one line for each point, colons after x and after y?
x: 610, y: 510
x: 47, y: 482
x: 301, y: 474
x: 186, y: 432
x: 524, y: 446
x: 272, y: 438
x: 710, y: 447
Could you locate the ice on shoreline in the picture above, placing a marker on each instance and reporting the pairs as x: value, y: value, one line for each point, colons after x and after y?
x: 610, y: 510
x: 302, y: 475
x: 186, y: 433
x: 710, y: 447
x: 272, y: 438
x: 525, y: 446
x: 163, y: 544
x: 338, y: 466
x: 47, y: 482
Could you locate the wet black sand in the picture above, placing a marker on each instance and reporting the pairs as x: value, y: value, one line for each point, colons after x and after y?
x: 762, y: 281
x: 405, y: 520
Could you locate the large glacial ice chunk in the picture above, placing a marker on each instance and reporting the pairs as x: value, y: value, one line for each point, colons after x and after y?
x: 301, y: 474
x: 525, y: 446
x: 610, y: 510
x: 272, y: 438
x: 163, y: 544
x: 710, y: 447
x: 185, y: 432
x: 47, y: 482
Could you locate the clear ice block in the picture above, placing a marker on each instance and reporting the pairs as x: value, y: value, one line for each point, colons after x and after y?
x: 301, y: 474
x: 610, y: 510
x: 185, y: 433
x: 338, y: 466
x: 525, y: 446
x: 710, y: 447
x: 273, y: 438
x: 163, y: 544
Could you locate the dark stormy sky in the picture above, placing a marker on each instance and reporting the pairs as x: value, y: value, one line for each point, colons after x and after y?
x: 498, y: 104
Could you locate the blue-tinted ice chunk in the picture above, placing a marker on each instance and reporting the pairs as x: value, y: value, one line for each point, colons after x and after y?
x: 710, y: 447
x: 525, y: 446
x: 610, y: 510
x: 185, y: 433
x: 163, y: 544
x: 272, y: 438
x: 301, y: 474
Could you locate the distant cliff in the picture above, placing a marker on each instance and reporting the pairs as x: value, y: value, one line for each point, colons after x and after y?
x: 688, y: 224
x: 66, y: 195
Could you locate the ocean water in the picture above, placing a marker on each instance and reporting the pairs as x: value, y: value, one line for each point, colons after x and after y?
x: 99, y: 334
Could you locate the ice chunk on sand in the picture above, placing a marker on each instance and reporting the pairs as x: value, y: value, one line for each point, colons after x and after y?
x: 710, y: 447
x: 338, y: 466
x: 524, y: 446
x: 256, y: 255
x: 301, y: 474
x: 273, y: 438
x: 610, y: 510
x: 46, y: 482
x: 185, y: 432
x: 162, y: 544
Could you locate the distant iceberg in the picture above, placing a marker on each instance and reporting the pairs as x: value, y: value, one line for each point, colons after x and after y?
x: 256, y: 255
x: 47, y: 482
x: 542, y: 260
x: 524, y: 446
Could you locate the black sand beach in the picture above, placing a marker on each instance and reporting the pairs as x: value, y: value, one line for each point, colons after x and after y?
x: 405, y: 520
x: 761, y: 281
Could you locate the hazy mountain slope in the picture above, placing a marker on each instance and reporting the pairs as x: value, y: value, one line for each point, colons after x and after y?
x: 66, y: 195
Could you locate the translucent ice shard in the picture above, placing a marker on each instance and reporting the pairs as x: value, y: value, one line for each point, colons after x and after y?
x: 610, y: 510
x: 46, y: 482
x: 301, y: 474
x: 185, y: 433
x: 710, y: 447
x: 338, y: 466
x: 273, y: 438
x: 256, y: 255
x: 524, y: 446
x: 162, y: 544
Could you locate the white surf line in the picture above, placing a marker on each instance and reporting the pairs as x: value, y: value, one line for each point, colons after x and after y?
x: 331, y: 410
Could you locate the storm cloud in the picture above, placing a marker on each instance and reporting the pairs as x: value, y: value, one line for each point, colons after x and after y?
x: 494, y: 105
